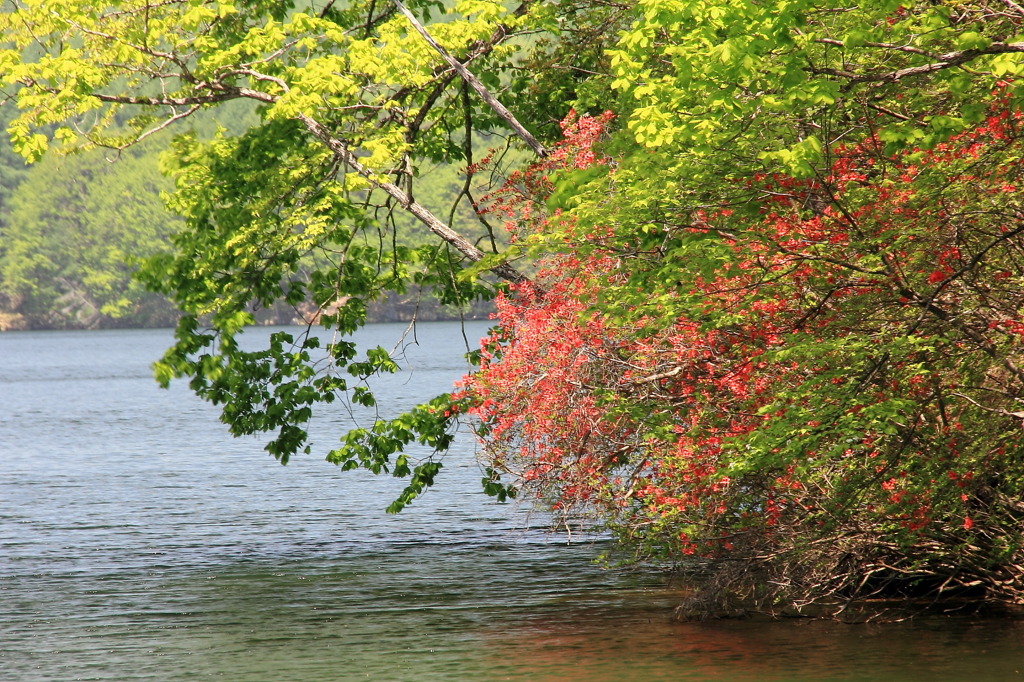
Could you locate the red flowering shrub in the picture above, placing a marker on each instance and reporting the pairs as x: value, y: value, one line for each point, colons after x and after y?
x: 825, y: 401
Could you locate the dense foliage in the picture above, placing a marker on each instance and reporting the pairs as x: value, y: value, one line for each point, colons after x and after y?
x: 834, y: 402
x: 74, y: 225
x: 785, y: 339
x: 766, y: 319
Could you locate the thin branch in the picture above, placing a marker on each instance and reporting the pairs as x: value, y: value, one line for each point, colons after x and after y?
x: 885, y: 46
x: 675, y: 371
x: 188, y: 100
x: 463, y: 245
x: 176, y: 117
x: 888, y: 112
x: 944, y: 61
x: 1014, y: 6
x: 1016, y: 415
x: 475, y: 83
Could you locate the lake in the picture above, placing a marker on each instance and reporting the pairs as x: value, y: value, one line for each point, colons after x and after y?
x: 138, y: 540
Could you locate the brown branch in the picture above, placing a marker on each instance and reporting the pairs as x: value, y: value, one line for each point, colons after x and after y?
x: 164, y: 101
x: 885, y: 46
x: 475, y: 51
x: 413, y: 129
x: 170, y: 121
x: 326, y: 9
x: 657, y: 377
x: 943, y: 61
x: 475, y: 83
x: 1005, y: 413
x: 1014, y: 6
x: 889, y: 112
x: 463, y: 245
x: 189, y: 100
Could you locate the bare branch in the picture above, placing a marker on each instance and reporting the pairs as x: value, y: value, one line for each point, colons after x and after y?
x: 944, y: 61
x: 475, y: 83
x: 1016, y: 415
x: 463, y: 245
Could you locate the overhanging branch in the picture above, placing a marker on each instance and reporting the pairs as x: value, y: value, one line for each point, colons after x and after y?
x: 222, y: 93
x: 942, y: 61
x: 475, y: 83
x: 463, y: 245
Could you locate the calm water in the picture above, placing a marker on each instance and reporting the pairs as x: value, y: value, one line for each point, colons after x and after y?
x: 139, y: 541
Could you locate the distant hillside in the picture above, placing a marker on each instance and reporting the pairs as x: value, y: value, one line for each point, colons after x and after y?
x: 72, y: 230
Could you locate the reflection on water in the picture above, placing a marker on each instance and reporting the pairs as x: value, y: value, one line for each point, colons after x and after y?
x: 138, y: 541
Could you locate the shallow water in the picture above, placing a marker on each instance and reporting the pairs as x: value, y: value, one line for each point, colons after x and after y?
x: 139, y: 541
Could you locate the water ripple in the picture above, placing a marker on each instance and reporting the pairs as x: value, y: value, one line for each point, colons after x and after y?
x: 139, y: 541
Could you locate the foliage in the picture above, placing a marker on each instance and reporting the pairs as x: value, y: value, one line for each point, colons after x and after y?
x: 76, y: 223
x: 776, y: 320
x: 850, y: 374
x: 301, y: 209
x: 784, y: 336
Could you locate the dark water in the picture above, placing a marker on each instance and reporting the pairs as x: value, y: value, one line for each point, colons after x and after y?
x: 139, y: 541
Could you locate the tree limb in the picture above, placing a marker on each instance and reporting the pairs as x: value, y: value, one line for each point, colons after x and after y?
x: 475, y: 83
x: 187, y: 100
x: 943, y: 61
x: 221, y: 93
x: 463, y: 245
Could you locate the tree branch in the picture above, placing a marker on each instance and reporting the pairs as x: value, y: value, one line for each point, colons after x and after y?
x: 475, y: 83
x: 223, y: 93
x: 1015, y: 415
x: 170, y: 120
x: 1015, y: 7
x: 463, y: 245
x: 943, y: 61
x: 165, y: 101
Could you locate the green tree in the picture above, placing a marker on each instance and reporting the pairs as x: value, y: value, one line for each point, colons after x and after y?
x: 726, y: 106
x: 785, y: 340
x: 76, y: 225
x: 354, y: 103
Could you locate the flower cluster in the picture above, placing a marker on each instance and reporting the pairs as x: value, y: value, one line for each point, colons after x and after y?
x: 849, y: 368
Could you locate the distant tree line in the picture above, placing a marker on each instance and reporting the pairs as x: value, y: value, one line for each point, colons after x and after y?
x: 73, y: 230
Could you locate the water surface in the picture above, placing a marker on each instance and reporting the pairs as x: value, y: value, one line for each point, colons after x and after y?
x: 139, y: 541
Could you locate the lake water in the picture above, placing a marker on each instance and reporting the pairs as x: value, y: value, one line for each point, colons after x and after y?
x: 139, y: 541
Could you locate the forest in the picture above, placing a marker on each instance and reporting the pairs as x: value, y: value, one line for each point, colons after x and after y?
x: 70, y: 229
x: 74, y: 230
x: 758, y: 267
